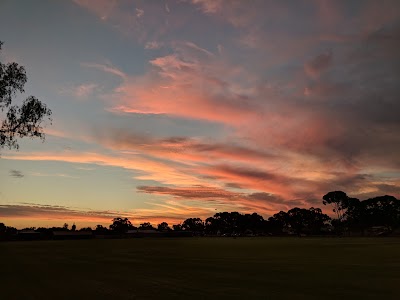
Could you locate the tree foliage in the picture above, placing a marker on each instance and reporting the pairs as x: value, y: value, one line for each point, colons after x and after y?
x: 146, y: 226
x: 231, y: 223
x: 177, y: 227
x: 300, y: 221
x: 338, y: 200
x: 193, y: 224
x: 163, y: 226
x: 18, y: 121
x: 377, y: 211
x: 121, y: 225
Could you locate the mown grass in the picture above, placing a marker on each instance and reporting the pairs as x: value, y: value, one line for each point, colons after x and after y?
x: 202, y: 268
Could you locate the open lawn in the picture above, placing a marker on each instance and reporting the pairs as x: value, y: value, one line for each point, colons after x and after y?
x: 202, y: 268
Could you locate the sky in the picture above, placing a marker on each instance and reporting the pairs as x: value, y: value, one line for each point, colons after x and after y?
x: 165, y: 110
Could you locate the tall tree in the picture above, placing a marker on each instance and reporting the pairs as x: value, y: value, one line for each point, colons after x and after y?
x: 20, y: 121
x: 339, y: 201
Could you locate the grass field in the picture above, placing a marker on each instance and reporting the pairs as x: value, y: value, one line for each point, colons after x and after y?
x: 202, y: 268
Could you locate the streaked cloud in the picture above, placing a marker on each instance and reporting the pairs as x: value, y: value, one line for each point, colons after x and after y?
x: 80, y: 91
x: 139, y: 12
x: 106, y: 68
x: 153, y: 45
x: 85, y: 90
x: 16, y: 174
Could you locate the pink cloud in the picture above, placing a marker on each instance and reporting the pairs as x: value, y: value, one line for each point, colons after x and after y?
x: 184, y: 149
x: 190, y: 84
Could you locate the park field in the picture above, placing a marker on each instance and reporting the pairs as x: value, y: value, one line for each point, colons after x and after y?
x: 202, y: 268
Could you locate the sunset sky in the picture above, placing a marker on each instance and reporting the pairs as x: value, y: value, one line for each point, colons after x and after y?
x: 165, y: 110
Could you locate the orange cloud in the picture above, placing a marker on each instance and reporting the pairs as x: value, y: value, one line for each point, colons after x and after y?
x: 148, y: 169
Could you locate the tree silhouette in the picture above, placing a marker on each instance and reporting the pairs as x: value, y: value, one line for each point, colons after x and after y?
x: 339, y: 202
x: 7, y: 231
x: 193, y: 224
x: 278, y: 222
x: 234, y: 223
x: 121, y: 225
x: 146, y: 226
x: 19, y: 121
x: 177, y: 227
x: 163, y: 227
x: 252, y: 222
x: 381, y: 211
x: 86, y: 229
x: 101, y: 229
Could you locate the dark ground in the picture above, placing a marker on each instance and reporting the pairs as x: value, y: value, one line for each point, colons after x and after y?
x: 202, y: 268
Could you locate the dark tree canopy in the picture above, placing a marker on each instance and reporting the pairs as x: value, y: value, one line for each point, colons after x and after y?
x: 121, y: 225
x: 377, y: 211
x: 234, y: 223
x: 339, y: 202
x: 101, y: 229
x: 163, y: 226
x: 146, y: 226
x: 18, y: 121
x: 193, y: 224
x: 177, y: 227
x: 300, y: 220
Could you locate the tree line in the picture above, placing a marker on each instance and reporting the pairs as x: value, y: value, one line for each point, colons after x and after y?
x: 379, y: 215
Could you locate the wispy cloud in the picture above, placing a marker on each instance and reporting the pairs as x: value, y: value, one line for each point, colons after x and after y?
x: 153, y: 45
x: 80, y: 91
x: 139, y: 12
x: 147, y: 169
x: 106, y: 68
x: 16, y: 174
x: 39, y: 174
x: 85, y: 90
